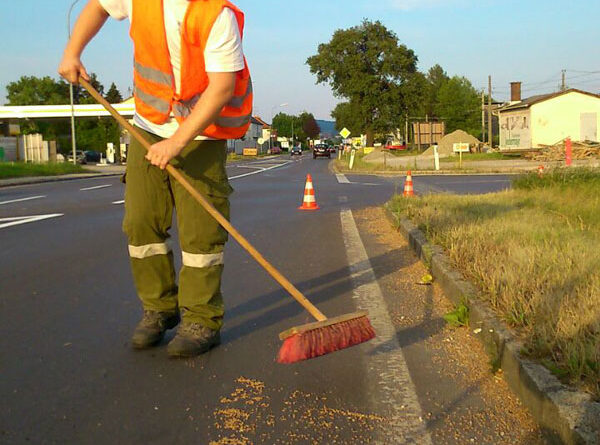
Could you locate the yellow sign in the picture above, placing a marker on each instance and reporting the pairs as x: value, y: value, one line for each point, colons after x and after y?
x: 345, y: 133
x: 369, y: 150
x: 250, y: 152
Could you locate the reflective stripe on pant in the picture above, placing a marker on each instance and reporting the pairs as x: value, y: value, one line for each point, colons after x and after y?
x: 150, y: 196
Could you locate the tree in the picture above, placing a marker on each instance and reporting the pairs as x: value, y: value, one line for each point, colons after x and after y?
x: 31, y: 90
x: 113, y: 95
x: 458, y: 104
x: 369, y: 67
x: 309, y: 125
x: 346, y: 117
x: 436, y: 79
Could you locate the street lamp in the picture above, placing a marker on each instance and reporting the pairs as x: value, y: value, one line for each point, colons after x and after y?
x: 285, y: 104
x: 73, y: 143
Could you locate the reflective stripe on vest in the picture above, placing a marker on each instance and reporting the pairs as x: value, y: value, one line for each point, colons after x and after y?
x: 153, y: 75
x: 201, y: 260
x: 184, y: 108
x: 155, y: 102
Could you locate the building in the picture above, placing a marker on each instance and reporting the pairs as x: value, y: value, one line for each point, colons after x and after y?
x: 548, y: 118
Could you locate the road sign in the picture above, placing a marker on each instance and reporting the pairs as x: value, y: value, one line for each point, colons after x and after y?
x: 250, y: 152
x: 460, y: 147
x: 261, y: 141
x: 345, y: 133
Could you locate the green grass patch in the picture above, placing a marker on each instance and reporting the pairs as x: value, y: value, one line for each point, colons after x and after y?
x: 458, y: 317
x: 22, y: 169
x: 470, y: 157
x: 534, y: 253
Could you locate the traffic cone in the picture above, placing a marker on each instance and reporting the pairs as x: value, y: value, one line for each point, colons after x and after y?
x: 408, y: 185
x: 310, y: 203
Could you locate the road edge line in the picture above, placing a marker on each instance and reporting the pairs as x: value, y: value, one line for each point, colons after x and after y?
x: 405, y: 419
x: 563, y: 413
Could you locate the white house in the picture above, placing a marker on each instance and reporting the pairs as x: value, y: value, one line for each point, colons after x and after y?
x: 549, y: 118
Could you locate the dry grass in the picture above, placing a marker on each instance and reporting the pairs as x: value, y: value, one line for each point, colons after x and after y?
x: 534, y: 252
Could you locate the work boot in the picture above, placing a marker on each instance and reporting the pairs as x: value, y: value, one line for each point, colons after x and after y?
x: 192, y: 339
x: 151, y: 329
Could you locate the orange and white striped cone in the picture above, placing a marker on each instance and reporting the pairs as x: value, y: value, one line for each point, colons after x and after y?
x: 408, y: 185
x: 309, y: 203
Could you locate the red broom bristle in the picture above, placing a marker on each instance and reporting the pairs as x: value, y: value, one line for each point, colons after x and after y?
x: 321, y: 341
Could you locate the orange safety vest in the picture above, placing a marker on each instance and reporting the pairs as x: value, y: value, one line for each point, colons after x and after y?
x: 154, y: 83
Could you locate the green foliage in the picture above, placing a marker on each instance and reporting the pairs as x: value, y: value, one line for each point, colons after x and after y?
x: 22, y: 169
x: 378, y: 76
x: 562, y: 177
x: 436, y: 79
x: 92, y: 134
x: 31, y: 90
x: 113, y: 95
x: 458, y: 317
x: 459, y: 105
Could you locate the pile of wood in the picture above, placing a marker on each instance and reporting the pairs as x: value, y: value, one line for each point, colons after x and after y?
x: 557, y: 152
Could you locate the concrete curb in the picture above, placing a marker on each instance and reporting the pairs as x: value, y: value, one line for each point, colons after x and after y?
x: 42, y: 179
x: 565, y: 415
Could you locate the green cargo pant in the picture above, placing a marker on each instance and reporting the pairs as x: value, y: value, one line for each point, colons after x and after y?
x: 150, y: 195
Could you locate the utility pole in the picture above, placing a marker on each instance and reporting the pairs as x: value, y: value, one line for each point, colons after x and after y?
x: 482, y: 116
x: 564, y: 80
x: 490, y: 135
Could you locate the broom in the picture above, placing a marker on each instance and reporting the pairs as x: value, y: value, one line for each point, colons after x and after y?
x: 301, y: 342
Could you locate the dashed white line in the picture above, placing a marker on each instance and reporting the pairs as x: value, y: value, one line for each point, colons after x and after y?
x: 387, y: 374
x: 17, y: 220
x: 119, y: 202
x: 22, y: 199
x: 95, y: 188
x: 259, y: 171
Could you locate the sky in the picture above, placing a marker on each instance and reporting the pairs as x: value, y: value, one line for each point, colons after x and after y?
x: 528, y: 40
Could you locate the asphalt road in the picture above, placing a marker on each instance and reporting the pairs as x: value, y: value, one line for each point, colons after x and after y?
x: 68, y: 307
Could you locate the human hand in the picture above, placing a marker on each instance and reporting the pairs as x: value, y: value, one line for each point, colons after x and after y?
x: 162, y: 152
x: 71, y: 68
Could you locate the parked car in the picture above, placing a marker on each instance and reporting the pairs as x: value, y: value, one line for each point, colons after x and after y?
x: 275, y: 150
x: 296, y: 151
x: 92, y: 156
x: 394, y: 146
x: 332, y: 149
x: 79, y: 157
x: 321, y: 150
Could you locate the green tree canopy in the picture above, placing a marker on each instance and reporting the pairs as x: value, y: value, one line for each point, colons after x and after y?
x: 459, y: 105
x: 113, y: 95
x: 31, y: 90
x: 436, y: 79
x: 368, y: 66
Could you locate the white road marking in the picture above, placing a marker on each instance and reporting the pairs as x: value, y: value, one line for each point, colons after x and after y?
x: 95, y: 188
x: 22, y: 199
x: 119, y: 202
x: 259, y: 171
x: 341, y: 178
x: 17, y: 220
x: 387, y: 371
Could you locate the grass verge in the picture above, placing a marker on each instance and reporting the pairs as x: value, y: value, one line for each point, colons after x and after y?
x: 22, y: 169
x: 470, y: 157
x: 534, y: 253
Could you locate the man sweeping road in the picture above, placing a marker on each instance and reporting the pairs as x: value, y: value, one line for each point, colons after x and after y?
x: 192, y: 92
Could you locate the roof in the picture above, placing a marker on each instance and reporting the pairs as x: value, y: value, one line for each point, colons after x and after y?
x: 258, y: 121
x: 526, y: 103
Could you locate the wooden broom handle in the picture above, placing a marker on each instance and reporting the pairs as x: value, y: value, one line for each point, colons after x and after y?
x: 283, y: 281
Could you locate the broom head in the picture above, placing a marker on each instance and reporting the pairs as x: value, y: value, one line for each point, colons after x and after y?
x: 320, y: 338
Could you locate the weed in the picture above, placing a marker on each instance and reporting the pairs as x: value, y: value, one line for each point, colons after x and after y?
x: 458, y: 317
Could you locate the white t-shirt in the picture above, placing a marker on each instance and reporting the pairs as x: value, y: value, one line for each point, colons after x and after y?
x: 223, y: 52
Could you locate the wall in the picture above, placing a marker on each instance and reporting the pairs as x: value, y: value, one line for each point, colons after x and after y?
x: 10, y: 148
x: 515, y: 129
x: 556, y: 119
